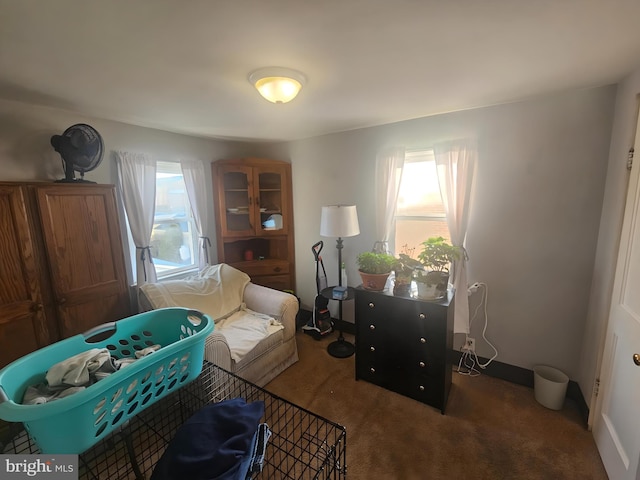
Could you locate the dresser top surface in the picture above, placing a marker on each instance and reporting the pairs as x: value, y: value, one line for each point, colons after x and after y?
x: 413, y: 295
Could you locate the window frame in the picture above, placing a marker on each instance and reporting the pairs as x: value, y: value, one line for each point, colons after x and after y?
x: 169, y: 167
x: 416, y: 156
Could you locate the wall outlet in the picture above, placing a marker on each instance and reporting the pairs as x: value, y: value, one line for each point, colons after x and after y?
x: 469, y: 344
x: 473, y: 288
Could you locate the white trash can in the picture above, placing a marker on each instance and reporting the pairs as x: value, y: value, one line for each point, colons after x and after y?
x: 550, y: 386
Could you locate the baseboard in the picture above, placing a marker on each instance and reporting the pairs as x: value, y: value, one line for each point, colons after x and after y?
x: 575, y: 394
x: 523, y: 376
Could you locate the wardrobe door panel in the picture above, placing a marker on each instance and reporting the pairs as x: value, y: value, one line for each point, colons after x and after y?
x: 84, y: 246
x: 80, y: 316
x: 23, y: 326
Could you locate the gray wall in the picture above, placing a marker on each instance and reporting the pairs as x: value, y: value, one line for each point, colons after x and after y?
x: 534, y: 224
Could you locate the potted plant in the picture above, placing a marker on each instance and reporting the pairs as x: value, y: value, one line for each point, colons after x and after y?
x: 374, y: 269
x: 433, y: 278
x: 403, y: 268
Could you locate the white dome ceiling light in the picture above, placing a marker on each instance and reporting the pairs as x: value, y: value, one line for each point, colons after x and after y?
x: 277, y: 84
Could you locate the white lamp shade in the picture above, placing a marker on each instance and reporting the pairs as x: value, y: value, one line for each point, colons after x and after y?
x: 339, y: 221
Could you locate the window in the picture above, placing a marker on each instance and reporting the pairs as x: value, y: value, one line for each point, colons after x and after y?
x: 174, y: 238
x: 420, y: 211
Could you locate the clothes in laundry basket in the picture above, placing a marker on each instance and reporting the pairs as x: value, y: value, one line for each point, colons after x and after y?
x: 78, y: 372
x: 217, y: 442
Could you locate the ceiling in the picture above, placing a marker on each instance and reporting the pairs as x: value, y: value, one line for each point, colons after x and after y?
x: 182, y: 65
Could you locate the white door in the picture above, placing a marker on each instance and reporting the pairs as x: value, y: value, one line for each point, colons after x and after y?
x: 616, y: 425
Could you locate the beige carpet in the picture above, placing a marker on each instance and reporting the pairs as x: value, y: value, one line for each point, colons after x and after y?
x: 492, y: 429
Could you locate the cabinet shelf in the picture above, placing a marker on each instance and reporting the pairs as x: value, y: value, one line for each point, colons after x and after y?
x: 250, y: 191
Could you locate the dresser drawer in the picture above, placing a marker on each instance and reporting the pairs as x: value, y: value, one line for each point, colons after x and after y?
x: 423, y: 366
x: 424, y: 389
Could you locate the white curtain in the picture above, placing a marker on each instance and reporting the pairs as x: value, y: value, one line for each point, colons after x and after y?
x: 456, y: 164
x: 137, y: 177
x: 389, y: 166
x: 193, y: 173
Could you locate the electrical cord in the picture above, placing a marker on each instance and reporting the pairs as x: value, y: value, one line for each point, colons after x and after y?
x: 469, y: 364
x: 469, y: 359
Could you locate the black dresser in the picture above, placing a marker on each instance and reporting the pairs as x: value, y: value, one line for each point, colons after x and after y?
x: 405, y: 344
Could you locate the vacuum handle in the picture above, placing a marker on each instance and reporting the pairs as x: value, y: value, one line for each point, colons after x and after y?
x: 316, y: 249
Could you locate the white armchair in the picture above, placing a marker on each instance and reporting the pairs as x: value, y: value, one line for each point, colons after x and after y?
x: 272, y: 355
x: 211, y: 293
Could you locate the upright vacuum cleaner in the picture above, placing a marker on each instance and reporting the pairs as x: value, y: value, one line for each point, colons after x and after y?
x: 320, y: 325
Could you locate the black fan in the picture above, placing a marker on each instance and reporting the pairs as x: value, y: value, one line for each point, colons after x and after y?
x: 81, y: 148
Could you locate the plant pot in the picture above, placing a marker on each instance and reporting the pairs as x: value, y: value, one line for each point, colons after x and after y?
x: 402, y: 285
x: 374, y: 281
x: 402, y: 289
x: 433, y: 285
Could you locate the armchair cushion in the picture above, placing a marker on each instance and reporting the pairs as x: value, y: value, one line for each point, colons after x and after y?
x: 245, y: 329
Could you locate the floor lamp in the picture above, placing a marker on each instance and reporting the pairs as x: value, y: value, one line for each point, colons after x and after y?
x: 339, y: 221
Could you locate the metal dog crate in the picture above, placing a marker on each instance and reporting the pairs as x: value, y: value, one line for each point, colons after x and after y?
x: 302, y: 445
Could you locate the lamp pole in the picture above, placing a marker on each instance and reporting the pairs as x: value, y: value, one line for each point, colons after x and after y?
x: 339, y: 247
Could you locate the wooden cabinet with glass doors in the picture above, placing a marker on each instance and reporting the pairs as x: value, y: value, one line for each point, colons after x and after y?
x: 254, y: 219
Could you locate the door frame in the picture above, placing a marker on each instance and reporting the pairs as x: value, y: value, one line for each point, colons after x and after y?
x: 595, y: 404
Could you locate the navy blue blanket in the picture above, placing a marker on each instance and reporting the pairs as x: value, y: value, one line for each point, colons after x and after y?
x: 214, y: 444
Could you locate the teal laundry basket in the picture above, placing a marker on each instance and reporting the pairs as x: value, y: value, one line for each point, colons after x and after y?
x: 72, y: 424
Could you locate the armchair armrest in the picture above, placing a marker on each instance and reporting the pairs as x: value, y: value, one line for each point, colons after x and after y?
x: 280, y: 305
x: 216, y: 350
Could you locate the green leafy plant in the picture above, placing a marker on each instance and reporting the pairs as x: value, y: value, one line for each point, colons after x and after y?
x: 375, y: 263
x: 437, y: 254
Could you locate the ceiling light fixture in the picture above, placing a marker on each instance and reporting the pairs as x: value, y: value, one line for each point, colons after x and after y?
x: 277, y: 84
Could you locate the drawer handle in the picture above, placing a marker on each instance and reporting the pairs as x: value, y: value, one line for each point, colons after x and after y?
x: 371, y: 305
x: 422, y: 364
x: 372, y: 348
x: 421, y: 388
x: 277, y: 269
x: 372, y: 327
x: 423, y: 340
x: 422, y: 316
x: 372, y: 370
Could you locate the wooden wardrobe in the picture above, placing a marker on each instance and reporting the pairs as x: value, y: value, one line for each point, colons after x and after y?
x: 62, y: 267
